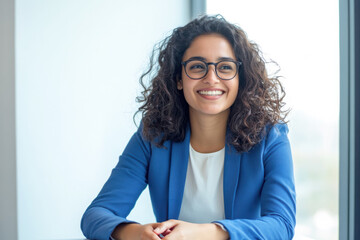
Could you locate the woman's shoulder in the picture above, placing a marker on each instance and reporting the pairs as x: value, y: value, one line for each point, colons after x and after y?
x: 154, y: 143
x: 277, y: 129
x: 275, y: 134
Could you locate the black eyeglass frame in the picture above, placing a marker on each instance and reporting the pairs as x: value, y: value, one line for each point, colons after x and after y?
x: 238, y: 64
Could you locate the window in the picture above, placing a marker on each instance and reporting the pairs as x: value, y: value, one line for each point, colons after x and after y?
x: 304, y: 41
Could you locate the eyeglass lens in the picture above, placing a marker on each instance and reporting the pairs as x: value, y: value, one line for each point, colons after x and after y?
x: 197, y: 69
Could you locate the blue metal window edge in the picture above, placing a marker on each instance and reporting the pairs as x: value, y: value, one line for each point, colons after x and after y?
x: 197, y: 8
x: 349, y: 192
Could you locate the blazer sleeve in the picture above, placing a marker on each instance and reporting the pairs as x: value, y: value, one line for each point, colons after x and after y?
x: 119, y: 194
x: 278, y: 201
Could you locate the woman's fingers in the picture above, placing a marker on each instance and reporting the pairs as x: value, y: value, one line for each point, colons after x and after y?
x: 180, y: 233
x: 132, y: 231
x: 165, y: 227
x: 166, y: 232
x: 181, y: 230
x: 148, y: 233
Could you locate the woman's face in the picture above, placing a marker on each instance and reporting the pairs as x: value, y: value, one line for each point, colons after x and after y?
x: 209, y: 95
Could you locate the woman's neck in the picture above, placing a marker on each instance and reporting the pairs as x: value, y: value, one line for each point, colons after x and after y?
x: 208, y: 132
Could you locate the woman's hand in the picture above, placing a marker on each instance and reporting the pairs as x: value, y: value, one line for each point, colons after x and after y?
x: 180, y: 230
x: 134, y: 231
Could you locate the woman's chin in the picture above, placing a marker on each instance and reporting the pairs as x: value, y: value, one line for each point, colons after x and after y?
x: 210, y: 111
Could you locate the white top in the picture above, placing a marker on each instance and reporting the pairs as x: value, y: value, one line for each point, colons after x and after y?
x: 203, y: 200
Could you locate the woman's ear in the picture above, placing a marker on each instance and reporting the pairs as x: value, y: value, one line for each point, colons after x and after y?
x: 179, y: 85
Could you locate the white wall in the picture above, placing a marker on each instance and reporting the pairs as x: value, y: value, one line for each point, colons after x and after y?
x: 77, y: 69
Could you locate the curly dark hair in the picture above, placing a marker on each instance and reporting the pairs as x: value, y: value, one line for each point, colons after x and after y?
x: 165, y: 112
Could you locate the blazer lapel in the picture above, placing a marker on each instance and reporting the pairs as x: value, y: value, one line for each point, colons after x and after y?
x: 178, y: 169
x: 231, y: 178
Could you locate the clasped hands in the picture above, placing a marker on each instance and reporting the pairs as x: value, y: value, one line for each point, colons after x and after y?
x: 169, y: 230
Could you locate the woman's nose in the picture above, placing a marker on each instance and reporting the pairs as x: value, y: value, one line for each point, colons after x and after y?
x: 211, y: 76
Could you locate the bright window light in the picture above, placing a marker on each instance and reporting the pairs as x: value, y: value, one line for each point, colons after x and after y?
x: 303, y: 38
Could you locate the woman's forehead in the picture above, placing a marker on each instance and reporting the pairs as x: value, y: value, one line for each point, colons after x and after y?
x: 210, y: 47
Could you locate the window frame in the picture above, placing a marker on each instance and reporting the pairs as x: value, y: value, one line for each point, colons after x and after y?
x: 349, y: 167
x: 197, y: 8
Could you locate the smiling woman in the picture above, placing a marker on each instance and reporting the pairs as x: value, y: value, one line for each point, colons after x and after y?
x: 212, y: 146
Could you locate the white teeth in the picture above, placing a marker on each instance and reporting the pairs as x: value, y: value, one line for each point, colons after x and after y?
x: 211, y: 93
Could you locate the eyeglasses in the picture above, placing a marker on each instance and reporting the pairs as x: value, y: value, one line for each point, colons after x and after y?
x: 197, y: 69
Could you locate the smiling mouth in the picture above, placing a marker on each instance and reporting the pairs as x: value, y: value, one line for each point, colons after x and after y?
x: 211, y: 93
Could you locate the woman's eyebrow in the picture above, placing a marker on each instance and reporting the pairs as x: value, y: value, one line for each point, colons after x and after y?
x: 218, y: 59
x: 197, y: 58
x: 225, y: 59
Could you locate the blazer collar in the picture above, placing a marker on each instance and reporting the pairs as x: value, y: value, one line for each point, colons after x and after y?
x: 231, y: 178
x: 178, y: 168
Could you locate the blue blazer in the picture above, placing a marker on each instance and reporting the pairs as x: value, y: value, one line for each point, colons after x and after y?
x: 259, y: 191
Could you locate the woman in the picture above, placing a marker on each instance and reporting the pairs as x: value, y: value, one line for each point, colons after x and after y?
x: 212, y: 146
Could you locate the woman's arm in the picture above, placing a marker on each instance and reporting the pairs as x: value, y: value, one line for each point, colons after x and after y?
x: 278, y: 200
x: 119, y: 194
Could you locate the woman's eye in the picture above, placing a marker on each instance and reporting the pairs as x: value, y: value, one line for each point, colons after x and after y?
x: 197, y: 66
x: 225, y: 67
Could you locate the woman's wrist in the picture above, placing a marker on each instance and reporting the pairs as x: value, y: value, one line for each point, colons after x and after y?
x: 124, y: 231
x: 215, y: 231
